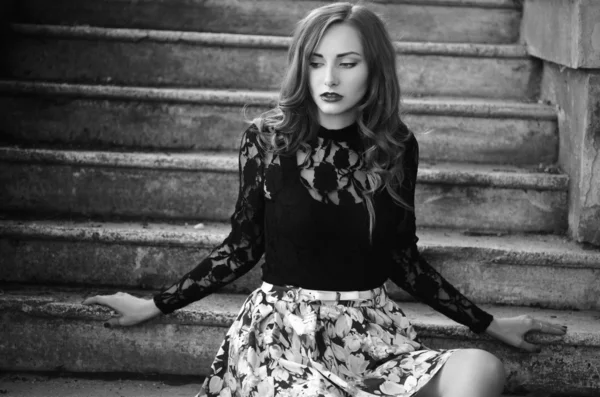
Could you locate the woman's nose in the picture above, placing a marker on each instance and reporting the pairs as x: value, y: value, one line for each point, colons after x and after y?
x: 331, y: 78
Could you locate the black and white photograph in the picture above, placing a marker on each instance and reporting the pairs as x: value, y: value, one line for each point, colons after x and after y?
x: 300, y: 198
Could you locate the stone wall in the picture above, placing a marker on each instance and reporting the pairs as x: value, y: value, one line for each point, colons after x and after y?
x: 566, y: 32
x: 566, y: 35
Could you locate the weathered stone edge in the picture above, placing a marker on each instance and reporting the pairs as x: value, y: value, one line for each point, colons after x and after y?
x: 64, y: 383
x: 442, y: 106
x: 207, y: 161
x: 458, y: 174
x: 255, y: 41
x: 510, y: 4
x: 221, y: 309
x: 174, y: 236
x: 208, y: 236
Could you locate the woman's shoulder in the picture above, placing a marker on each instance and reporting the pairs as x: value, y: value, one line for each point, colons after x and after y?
x: 258, y: 128
x: 252, y: 132
x: 256, y: 143
x: 250, y: 145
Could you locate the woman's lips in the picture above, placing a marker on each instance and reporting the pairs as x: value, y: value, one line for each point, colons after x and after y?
x: 331, y: 97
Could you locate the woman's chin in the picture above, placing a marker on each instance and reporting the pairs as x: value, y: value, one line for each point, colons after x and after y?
x: 333, y: 109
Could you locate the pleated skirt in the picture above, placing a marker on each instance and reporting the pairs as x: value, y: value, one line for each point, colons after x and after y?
x: 283, y: 344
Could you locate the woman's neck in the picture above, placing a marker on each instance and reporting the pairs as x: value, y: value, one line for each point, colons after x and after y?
x: 347, y: 134
x: 336, y: 122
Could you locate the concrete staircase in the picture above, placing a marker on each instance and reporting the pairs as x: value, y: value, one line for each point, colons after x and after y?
x: 117, y: 149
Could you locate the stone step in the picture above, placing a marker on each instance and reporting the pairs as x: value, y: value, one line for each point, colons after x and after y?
x: 491, y: 21
x: 527, y: 270
x: 104, y: 117
x: 16, y: 384
x: 205, y: 186
x: 79, y: 385
x: 73, y: 339
x: 222, y: 60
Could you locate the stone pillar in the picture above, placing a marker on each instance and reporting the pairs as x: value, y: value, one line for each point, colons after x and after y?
x: 566, y: 32
x: 566, y: 35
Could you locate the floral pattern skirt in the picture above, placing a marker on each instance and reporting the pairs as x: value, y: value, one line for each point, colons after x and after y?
x: 284, y: 344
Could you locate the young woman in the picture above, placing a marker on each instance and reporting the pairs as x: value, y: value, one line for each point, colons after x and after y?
x: 327, y: 183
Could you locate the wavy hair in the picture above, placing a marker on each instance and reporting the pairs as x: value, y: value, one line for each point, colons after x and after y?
x: 294, y: 121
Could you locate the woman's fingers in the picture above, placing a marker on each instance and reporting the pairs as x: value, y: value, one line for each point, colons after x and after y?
x: 104, y: 300
x: 93, y: 300
x: 545, y: 328
x: 548, y: 328
x: 513, y: 330
x: 542, y: 327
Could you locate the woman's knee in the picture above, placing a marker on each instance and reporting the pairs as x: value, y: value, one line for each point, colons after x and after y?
x: 483, y: 365
x: 468, y: 372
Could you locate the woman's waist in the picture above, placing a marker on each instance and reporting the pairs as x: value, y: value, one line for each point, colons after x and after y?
x: 375, y: 296
x: 325, y: 275
x: 326, y: 295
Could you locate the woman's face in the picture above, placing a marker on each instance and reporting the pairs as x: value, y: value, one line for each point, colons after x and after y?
x: 338, y: 76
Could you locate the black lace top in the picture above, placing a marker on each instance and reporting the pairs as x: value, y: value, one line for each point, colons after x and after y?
x: 309, y: 220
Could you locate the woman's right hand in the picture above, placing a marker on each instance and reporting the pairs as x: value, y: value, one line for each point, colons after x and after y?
x: 132, y: 310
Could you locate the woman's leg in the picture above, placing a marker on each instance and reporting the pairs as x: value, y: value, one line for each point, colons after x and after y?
x: 467, y: 373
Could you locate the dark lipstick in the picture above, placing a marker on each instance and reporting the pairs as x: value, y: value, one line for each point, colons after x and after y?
x: 331, y: 97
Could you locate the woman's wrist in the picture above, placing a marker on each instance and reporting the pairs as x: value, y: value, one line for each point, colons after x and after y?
x: 150, y: 309
x: 493, y: 329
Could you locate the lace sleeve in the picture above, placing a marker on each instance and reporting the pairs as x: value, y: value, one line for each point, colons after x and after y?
x: 244, y: 246
x: 412, y: 273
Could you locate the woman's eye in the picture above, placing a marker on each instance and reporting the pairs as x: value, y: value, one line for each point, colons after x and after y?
x: 315, y: 64
x: 348, y: 65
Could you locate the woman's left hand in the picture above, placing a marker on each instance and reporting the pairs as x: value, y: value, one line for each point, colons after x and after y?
x: 512, y: 330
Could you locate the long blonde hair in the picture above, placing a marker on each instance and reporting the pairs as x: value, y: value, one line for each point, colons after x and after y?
x: 294, y: 121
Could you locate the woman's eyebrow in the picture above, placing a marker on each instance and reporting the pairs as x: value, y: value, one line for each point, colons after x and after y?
x: 316, y: 54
